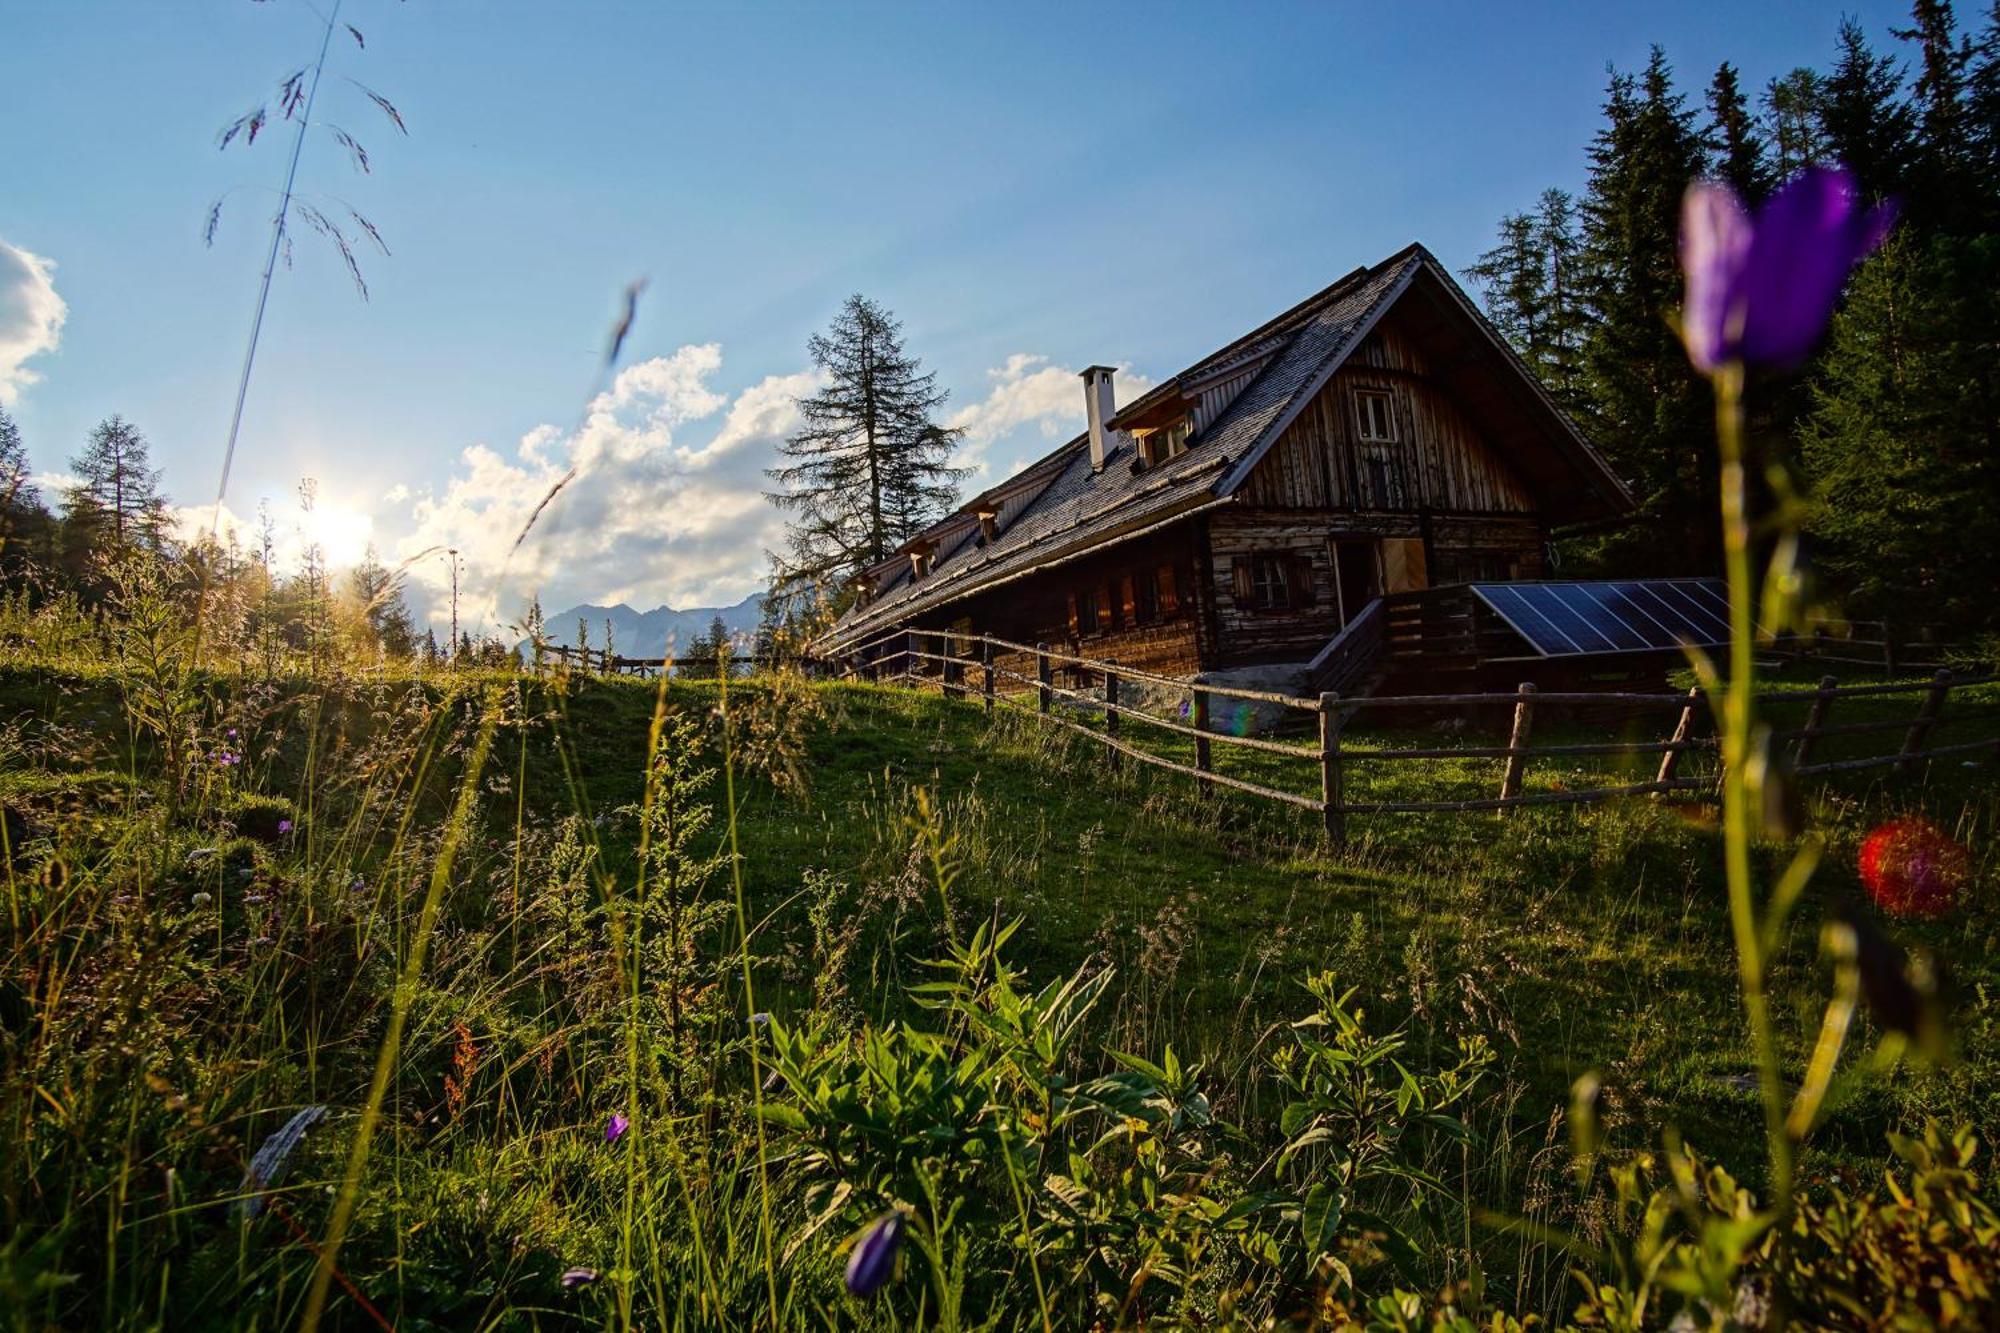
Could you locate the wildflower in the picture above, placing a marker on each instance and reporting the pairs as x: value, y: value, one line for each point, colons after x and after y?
x: 615, y: 1127
x: 579, y: 1277
x: 202, y: 900
x: 231, y: 733
x: 284, y: 826
x: 873, y: 1261
x: 760, y: 1020
x: 1760, y: 290
x: 1912, y: 868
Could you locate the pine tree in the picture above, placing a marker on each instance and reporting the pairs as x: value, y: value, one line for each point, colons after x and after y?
x: 1733, y: 138
x: 115, y: 505
x: 870, y: 468
x: 1532, y: 292
x: 1982, y: 111
x: 1645, y: 407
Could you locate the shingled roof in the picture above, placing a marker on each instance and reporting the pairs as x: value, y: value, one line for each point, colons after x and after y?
x: 1059, y: 508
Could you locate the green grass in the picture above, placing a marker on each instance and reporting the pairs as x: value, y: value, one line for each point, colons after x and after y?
x: 169, y: 1038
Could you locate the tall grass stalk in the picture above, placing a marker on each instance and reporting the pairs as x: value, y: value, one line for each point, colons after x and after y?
x: 386, y: 1065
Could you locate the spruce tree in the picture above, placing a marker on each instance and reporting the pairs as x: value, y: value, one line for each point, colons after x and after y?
x: 1943, y: 172
x: 1646, y: 408
x: 379, y: 593
x: 1863, y: 119
x: 870, y: 468
x: 1734, y: 141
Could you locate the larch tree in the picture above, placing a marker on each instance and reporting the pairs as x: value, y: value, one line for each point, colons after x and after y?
x: 115, y: 504
x: 871, y: 466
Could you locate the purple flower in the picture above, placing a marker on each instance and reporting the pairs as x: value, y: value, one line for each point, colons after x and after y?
x: 231, y: 733
x: 615, y: 1127
x: 284, y: 826
x: 579, y: 1277
x: 1761, y: 290
x: 873, y: 1261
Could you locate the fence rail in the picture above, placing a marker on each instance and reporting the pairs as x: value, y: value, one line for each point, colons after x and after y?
x: 1092, y: 688
x: 603, y: 662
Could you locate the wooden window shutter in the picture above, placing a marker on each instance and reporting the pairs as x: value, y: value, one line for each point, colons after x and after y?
x: 1104, y: 609
x: 1074, y: 627
x: 1170, y: 602
x: 1129, y: 600
x: 1239, y: 574
x: 1299, y: 582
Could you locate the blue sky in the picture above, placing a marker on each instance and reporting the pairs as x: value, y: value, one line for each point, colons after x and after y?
x: 1032, y: 189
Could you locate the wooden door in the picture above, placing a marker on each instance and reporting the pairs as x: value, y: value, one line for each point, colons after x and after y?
x: 1403, y: 568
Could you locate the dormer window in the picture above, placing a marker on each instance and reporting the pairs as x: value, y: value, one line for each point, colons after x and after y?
x: 922, y: 558
x: 1375, y: 416
x: 1157, y: 446
x: 989, y: 525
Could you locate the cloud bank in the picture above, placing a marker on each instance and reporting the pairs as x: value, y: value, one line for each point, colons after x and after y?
x: 31, y: 317
x: 648, y: 516
x: 1028, y: 394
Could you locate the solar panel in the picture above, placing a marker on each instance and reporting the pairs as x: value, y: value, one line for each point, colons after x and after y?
x: 1613, y: 616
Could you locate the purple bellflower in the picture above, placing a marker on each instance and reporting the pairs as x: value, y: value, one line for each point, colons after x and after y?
x: 615, y: 1127
x: 1760, y: 290
x: 873, y: 1261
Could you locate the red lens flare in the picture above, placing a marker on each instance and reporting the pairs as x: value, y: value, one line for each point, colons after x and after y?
x: 1912, y: 868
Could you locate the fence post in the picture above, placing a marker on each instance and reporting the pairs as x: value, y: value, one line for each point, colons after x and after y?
x: 1204, y: 761
x: 1334, y: 812
x: 1921, y: 724
x: 1517, y: 759
x: 947, y: 660
x: 986, y: 667
x: 1888, y: 650
x: 910, y: 656
x: 1042, y: 679
x: 1683, y: 729
x: 1111, y: 715
x: 1815, y: 719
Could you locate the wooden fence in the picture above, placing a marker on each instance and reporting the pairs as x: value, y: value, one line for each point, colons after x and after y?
x: 1888, y: 647
x: 599, y: 661
x: 1001, y: 674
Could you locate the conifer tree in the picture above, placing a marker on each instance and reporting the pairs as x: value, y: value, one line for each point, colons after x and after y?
x: 870, y: 468
x: 379, y: 593
x: 1647, y: 410
x: 26, y: 529
x: 1734, y: 140
x: 1792, y: 121
x: 115, y: 504
x: 1864, y: 121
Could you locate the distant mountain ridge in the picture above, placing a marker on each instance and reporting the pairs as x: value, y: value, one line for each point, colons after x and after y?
x: 653, y: 633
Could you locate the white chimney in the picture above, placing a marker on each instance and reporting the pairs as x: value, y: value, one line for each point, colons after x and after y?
x: 1100, y: 404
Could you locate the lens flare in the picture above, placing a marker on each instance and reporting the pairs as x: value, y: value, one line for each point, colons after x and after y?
x: 1912, y: 868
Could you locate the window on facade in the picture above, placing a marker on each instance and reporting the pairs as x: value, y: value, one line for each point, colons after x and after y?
x: 1379, y: 476
x: 1145, y: 597
x: 1375, y: 416
x: 1083, y: 612
x: 1269, y: 588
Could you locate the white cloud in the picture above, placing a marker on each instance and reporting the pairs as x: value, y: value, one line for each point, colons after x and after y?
x: 1029, y: 394
x: 31, y: 317
x: 646, y: 518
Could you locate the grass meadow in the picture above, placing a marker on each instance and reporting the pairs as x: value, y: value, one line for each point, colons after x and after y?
x: 1120, y: 1055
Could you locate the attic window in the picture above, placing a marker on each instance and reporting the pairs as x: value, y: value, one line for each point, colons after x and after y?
x: 1375, y: 416
x: 1157, y: 446
x: 921, y: 560
x: 989, y: 525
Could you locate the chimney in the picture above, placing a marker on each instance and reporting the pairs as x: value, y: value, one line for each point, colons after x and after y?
x: 1099, y: 406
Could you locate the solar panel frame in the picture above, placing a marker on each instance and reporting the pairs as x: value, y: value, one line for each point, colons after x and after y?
x: 1608, y: 618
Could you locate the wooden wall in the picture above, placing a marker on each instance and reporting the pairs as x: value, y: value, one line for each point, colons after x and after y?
x: 1440, y: 460
x: 1036, y: 608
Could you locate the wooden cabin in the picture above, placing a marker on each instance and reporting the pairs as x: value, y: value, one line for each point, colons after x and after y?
x: 1379, y: 438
